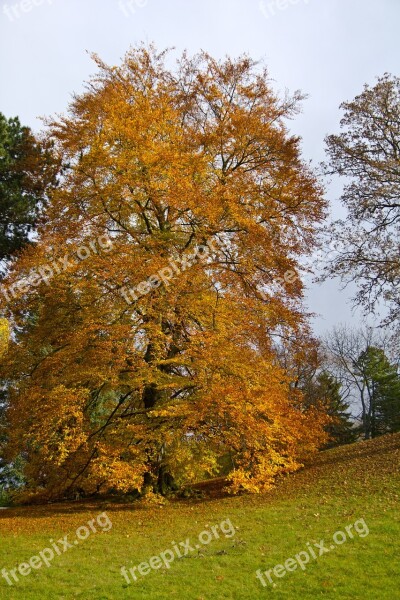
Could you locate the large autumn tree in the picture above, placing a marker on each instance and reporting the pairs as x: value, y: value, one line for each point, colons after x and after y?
x: 111, y: 388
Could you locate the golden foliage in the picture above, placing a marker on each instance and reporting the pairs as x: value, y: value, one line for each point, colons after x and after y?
x: 4, y: 336
x: 105, y: 393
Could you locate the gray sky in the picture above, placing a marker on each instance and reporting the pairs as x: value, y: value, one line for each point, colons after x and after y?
x: 326, y: 48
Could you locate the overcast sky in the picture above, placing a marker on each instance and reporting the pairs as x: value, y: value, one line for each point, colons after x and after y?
x: 326, y: 48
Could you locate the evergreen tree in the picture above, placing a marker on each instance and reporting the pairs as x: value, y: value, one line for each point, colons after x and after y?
x: 382, y: 382
x: 326, y: 389
x: 27, y: 169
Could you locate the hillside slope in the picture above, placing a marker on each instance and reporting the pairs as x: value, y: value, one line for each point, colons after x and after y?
x: 350, y: 489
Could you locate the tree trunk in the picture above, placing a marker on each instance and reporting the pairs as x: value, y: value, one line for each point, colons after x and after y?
x: 158, y: 478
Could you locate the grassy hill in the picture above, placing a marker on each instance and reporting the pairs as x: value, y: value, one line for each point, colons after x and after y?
x: 355, y: 487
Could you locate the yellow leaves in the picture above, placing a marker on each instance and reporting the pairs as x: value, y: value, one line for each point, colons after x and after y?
x: 151, y: 499
x: 192, y: 459
x: 117, y: 474
x: 4, y: 336
x: 58, y: 425
x: 106, y: 390
x: 264, y: 469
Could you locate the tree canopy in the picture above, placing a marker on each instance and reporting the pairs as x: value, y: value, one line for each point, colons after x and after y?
x: 367, y: 154
x: 201, y: 191
x: 26, y: 171
x: 382, y: 382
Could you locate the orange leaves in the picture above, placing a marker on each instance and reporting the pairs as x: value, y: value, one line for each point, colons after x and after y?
x: 57, y: 423
x: 113, y: 393
x: 119, y: 474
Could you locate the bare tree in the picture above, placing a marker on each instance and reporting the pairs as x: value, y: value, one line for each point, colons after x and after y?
x: 367, y: 154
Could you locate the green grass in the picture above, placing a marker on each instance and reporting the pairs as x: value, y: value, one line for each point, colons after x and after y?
x: 361, y: 481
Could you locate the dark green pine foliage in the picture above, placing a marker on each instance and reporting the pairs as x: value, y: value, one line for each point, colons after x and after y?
x: 382, y: 382
x: 27, y: 171
x: 326, y: 389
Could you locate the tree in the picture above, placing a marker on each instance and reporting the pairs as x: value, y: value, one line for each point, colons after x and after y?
x: 383, y: 384
x: 27, y: 171
x: 159, y: 342
x: 325, y: 389
x: 6, y: 472
x: 305, y: 359
x: 359, y: 361
x: 367, y: 154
